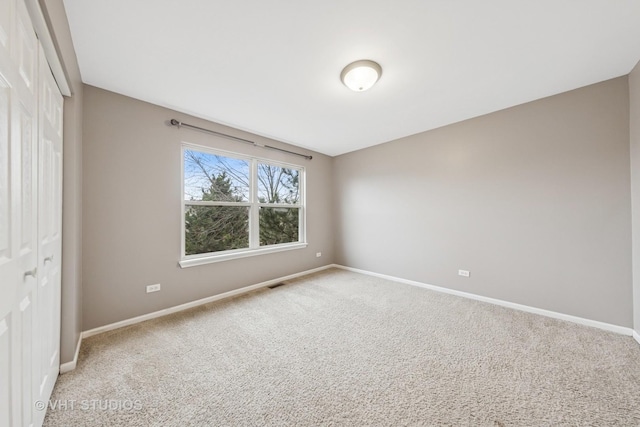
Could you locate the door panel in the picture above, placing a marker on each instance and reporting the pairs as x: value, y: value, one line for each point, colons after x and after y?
x: 5, y: 196
x: 26, y: 355
x: 44, y: 192
x: 6, y: 12
x: 6, y: 411
x: 57, y: 191
x: 26, y: 122
x: 26, y: 49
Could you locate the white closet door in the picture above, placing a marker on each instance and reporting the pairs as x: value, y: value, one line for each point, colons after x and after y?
x: 18, y: 212
x: 49, y: 235
x: 9, y: 266
x: 9, y: 405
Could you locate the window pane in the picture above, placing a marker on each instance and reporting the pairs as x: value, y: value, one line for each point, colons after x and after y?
x: 278, y: 225
x: 215, y: 178
x: 215, y: 228
x: 278, y: 185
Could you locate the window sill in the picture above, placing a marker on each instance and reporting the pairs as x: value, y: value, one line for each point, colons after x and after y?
x: 208, y: 259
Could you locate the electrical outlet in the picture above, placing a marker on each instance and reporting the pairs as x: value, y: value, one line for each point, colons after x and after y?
x: 463, y: 273
x: 318, y: 254
x: 153, y: 288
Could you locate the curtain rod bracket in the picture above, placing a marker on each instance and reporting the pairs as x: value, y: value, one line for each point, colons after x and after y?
x: 179, y: 124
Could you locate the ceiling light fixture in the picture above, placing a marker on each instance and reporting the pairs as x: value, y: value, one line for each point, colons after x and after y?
x: 361, y: 75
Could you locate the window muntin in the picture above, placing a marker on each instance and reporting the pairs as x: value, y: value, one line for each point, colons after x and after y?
x: 237, y: 204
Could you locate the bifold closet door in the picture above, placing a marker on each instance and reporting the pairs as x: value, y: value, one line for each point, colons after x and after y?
x: 23, y: 334
x: 47, y: 335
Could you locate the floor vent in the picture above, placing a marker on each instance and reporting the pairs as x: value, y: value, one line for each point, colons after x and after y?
x: 276, y: 285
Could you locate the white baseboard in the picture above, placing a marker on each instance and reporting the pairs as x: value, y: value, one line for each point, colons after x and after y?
x: 70, y: 366
x: 636, y: 336
x: 582, y: 321
x: 175, y: 309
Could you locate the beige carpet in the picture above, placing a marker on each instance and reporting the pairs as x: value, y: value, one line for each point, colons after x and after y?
x: 339, y: 348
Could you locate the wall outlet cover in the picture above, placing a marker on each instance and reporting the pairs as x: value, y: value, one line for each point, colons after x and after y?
x: 153, y: 288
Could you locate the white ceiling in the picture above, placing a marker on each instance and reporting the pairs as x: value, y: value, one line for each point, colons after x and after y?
x: 273, y: 67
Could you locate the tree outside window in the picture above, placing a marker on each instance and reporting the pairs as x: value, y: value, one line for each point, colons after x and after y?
x: 239, y: 203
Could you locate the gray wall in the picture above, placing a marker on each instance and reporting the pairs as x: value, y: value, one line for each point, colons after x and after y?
x: 634, y: 135
x: 533, y: 200
x: 71, y: 322
x: 132, y: 205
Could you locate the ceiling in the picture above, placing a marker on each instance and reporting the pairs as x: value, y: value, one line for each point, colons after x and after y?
x: 273, y: 67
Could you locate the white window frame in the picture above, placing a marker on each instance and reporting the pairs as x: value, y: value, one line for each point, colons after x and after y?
x: 254, y: 210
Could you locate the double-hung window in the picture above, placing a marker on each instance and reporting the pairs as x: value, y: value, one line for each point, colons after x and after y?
x: 236, y: 206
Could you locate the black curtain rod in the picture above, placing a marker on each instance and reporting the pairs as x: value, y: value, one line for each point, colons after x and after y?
x: 179, y: 124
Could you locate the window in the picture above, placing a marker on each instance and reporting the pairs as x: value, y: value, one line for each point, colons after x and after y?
x: 236, y: 206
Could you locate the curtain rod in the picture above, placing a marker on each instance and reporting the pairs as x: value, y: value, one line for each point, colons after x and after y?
x: 179, y: 124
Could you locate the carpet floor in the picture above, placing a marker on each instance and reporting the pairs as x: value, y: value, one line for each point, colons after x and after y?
x: 340, y: 348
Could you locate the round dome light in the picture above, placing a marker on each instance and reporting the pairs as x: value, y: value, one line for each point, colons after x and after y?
x: 361, y: 75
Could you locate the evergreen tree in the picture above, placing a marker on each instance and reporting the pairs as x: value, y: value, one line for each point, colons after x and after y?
x: 216, y: 228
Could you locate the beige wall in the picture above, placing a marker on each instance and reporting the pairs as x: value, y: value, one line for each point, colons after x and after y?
x: 533, y: 200
x: 634, y: 135
x: 132, y: 205
x: 71, y: 321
